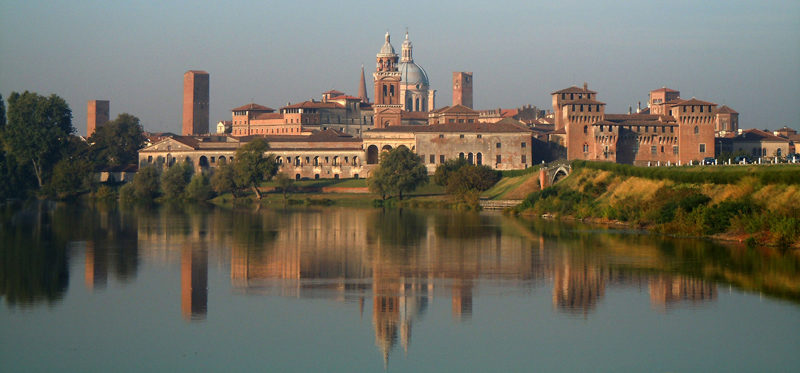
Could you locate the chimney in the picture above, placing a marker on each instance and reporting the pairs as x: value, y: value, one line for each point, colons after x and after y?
x: 585, y: 86
x: 630, y: 110
x: 639, y: 107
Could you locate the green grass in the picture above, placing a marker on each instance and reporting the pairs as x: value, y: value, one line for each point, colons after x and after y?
x: 766, y: 174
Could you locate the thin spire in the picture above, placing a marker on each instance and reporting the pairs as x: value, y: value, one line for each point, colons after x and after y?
x: 362, y: 87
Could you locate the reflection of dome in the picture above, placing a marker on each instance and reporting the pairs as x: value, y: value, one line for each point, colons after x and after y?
x: 412, y: 74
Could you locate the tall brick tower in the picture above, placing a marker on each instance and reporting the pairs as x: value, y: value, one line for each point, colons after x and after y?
x: 96, y: 115
x: 195, y: 102
x: 462, y: 89
x: 387, y: 106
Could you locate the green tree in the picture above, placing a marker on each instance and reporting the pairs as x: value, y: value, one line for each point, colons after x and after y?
x: 399, y: 171
x: 145, y: 183
x: 2, y: 114
x: 222, y: 179
x: 71, y: 176
x: 252, y: 166
x: 471, y: 178
x: 440, y: 177
x: 117, y: 142
x: 175, y: 179
x: 37, y: 131
x: 285, y: 184
x: 199, y: 188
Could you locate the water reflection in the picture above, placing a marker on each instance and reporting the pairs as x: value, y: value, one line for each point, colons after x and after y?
x: 399, y: 260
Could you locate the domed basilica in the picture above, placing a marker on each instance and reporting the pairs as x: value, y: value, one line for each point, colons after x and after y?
x: 415, y: 92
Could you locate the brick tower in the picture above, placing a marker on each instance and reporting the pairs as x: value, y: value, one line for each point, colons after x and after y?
x: 462, y: 89
x: 96, y: 115
x: 387, y: 106
x: 362, y: 87
x: 195, y: 102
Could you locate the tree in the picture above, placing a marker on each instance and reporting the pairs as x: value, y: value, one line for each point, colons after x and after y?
x: 71, y: 176
x: 471, y: 178
x: 175, y: 179
x: 2, y: 114
x: 252, y: 166
x: 222, y: 179
x: 285, y: 184
x: 145, y: 183
x: 399, y: 171
x: 199, y: 188
x: 443, y: 171
x: 37, y: 130
x: 117, y: 142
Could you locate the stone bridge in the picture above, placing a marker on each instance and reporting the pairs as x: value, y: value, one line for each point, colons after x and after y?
x: 554, y: 172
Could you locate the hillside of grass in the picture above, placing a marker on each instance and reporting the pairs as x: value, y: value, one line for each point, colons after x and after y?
x: 759, y: 205
x: 516, y: 184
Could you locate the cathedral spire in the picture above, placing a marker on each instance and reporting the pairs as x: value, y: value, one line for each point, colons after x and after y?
x: 362, y: 87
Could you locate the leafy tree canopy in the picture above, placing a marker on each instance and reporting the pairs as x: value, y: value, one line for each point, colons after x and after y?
x: 37, y: 131
x: 399, y: 171
x: 252, y: 165
x: 117, y: 142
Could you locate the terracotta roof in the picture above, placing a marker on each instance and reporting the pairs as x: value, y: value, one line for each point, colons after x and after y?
x: 664, y: 89
x: 573, y: 89
x: 506, y: 113
x: 505, y: 125
x: 725, y: 110
x: 759, y: 135
x: 314, y: 105
x: 457, y: 109
x: 345, y: 97
x: 693, y: 101
x: 644, y: 111
x: 263, y: 116
x: 252, y: 107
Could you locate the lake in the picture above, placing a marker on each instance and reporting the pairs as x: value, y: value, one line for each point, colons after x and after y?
x: 87, y: 288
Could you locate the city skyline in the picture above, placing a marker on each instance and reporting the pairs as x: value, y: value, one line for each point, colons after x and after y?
x: 743, y: 55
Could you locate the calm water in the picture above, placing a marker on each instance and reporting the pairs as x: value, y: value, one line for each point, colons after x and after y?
x: 186, y: 288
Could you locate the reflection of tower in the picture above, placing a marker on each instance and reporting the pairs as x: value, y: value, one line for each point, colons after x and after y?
x: 666, y: 291
x: 96, y: 271
x: 387, y: 106
x: 462, y: 89
x: 385, y: 315
x: 462, y: 299
x: 194, y: 283
x: 577, y: 288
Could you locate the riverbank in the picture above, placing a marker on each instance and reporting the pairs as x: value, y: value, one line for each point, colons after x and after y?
x: 757, y: 206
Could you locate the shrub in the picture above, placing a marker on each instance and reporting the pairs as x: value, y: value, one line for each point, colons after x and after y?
x: 174, y: 180
x: 199, y: 188
x: 146, y: 183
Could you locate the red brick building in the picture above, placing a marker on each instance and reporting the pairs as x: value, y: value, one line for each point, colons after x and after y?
x: 462, y: 89
x: 195, y: 102
x: 96, y: 115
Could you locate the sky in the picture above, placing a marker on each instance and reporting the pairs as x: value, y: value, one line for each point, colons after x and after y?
x: 744, y: 54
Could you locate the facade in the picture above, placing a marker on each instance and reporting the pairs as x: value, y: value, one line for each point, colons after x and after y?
x: 462, y: 89
x: 195, y: 102
x: 96, y: 115
x: 319, y: 154
x: 453, y: 115
x: 755, y: 143
x: 415, y: 92
x: 674, y: 131
x: 505, y: 145
x: 387, y: 108
x: 726, y: 120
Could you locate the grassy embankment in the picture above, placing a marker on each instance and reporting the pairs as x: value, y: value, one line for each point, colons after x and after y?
x: 755, y: 204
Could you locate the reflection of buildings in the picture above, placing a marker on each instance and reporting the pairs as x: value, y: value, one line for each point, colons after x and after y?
x: 194, y: 282
x: 666, y: 291
x: 96, y: 267
x: 578, y: 288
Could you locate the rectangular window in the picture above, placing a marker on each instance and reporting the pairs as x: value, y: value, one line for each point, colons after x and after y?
x: 460, y: 121
x: 441, y: 158
x: 422, y: 157
x: 433, y: 158
x: 675, y: 150
x: 470, y: 121
x: 524, y: 159
x: 441, y: 135
x: 498, y: 145
x: 451, y: 120
x: 461, y: 136
x: 702, y: 148
x: 479, y: 136
x: 654, y: 150
x: 524, y: 144
x: 498, y: 159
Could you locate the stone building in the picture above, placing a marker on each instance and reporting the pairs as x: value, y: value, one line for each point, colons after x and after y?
x: 755, y: 143
x: 673, y: 131
x: 453, y: 115
x: 195, y: 102
x: 726, y: 120
x: 96, y: 115
x: 314, y: 155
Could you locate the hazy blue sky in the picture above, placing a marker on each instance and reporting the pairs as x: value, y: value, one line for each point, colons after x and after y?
x: 745, y: 54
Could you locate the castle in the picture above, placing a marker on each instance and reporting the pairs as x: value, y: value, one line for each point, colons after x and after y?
x: 341, y: 136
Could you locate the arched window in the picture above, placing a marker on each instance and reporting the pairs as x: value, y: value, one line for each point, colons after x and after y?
x: 585, y: 129
x: 696, y: 130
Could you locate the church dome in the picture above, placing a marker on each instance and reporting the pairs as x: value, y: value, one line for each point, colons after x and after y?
x: 412, y: 75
